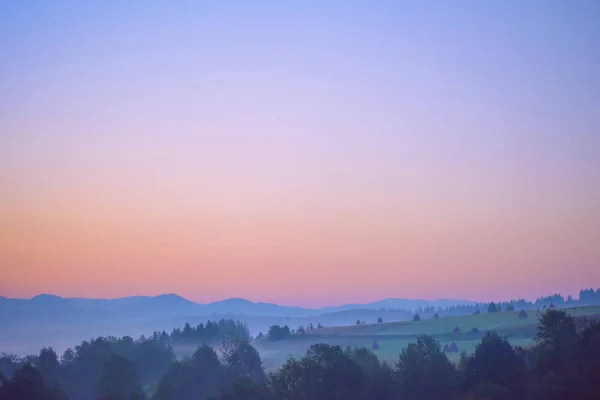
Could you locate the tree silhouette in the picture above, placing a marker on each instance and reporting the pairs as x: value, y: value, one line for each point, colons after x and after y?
x: 243, y: 362
x: 27, y: 383
x: 277, y: 332
x: 119, y: 379
x: 203, y: 376
x: 304, y: 378
x: 423, y: 371
x: 47, y: 364
x: 495, y: 361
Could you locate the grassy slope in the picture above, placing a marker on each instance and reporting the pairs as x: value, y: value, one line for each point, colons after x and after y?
x: 394, y: 336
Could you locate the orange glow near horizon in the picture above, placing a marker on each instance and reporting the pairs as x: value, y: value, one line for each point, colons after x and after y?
x: 300, y: 154
x: 290, y: 255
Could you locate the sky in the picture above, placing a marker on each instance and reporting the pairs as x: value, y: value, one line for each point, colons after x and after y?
x: 300, y: 152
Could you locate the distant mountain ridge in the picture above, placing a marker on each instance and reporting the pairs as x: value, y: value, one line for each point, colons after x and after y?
x: 26, y: 325
x: 173, y: 305
x: 399, y: 304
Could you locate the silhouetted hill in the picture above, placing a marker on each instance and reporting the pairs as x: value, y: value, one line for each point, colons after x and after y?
x: 137, y: 309
x: 51, y: 303
x: 37, y: 304
x: 398, y: 304
x: 237, y: 306
x: 173, y: 306
x: 28, y: 324
x: 164, y: 305
x: 30, y: 314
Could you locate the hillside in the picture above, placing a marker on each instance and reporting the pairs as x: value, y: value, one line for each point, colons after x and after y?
x: 392, y: 337
x: 28, y: 324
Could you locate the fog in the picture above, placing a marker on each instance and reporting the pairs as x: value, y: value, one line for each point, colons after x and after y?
x: 27, y: 325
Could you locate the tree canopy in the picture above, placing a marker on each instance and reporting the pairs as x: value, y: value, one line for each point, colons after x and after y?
x: 277, y: 332
x: 564, y: 363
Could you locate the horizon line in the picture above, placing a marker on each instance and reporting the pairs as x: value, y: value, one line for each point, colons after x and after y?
x: 291, y: 306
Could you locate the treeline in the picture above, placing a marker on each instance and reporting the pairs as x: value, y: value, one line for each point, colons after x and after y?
x: 587, y: 297
x: 563, y: 364
x: 278, y: 332
x: 211, y: 332
x: 92, y: 370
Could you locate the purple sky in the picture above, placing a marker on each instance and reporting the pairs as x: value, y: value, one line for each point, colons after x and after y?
x: 300, y: 152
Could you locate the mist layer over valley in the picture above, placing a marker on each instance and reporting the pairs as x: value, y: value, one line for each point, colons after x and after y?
x: 26, y: 325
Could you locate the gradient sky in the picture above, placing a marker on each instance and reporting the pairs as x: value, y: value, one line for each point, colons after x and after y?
x: 306, y: 153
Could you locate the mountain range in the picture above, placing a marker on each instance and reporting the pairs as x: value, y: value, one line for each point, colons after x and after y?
x: 172, y: 305
x: 47, y: 320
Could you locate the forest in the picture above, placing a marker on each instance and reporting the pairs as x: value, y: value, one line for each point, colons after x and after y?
x: 587, y: 297
x: 564, y: 363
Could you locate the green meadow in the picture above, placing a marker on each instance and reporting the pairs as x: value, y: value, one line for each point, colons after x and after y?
x: 466, y: 331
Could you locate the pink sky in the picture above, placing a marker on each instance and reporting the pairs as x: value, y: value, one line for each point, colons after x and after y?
x: 300, y: 155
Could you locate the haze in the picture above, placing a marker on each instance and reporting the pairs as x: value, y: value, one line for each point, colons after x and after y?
x: 303, y: 154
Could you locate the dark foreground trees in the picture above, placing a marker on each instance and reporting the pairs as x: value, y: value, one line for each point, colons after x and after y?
x: 99, y: 368
x: 495, y: 367
x: 83, y: 367
x: 200, y: 377
x: 563, y: 364
x: 325, y: 372
x: 424, y: 372
x: 27, y: 383
x: 119, y: 380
